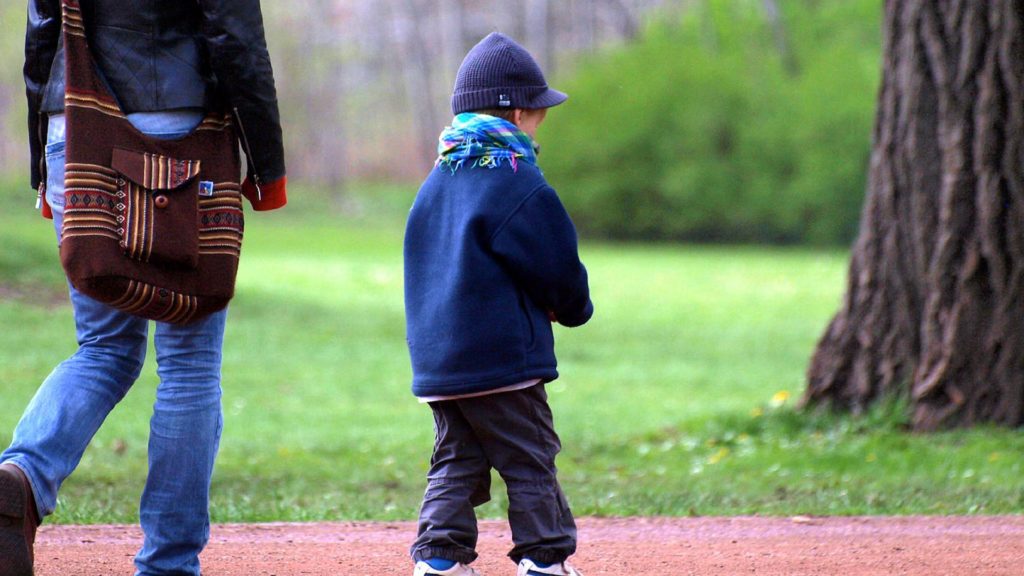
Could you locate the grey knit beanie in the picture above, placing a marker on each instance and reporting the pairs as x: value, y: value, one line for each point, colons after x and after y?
x: 499, y: 73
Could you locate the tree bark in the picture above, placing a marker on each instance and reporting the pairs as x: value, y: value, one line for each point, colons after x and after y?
x: 934, y: 308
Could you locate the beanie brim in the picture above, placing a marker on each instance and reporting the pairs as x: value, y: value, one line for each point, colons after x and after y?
x: 547, y: 99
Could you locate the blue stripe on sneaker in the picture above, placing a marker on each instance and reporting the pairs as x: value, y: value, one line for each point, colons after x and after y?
x: 441, y: 564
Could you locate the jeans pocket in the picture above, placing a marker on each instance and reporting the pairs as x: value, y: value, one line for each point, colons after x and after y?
x: 54, y: 148
x: 54, y: 154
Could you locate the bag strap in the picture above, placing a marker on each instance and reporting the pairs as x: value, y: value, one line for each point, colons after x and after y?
x: 82, y: 81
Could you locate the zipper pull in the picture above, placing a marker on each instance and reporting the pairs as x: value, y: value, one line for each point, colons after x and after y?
x: 39, y: 195
x: 248, y: 156
x: 256, y: 183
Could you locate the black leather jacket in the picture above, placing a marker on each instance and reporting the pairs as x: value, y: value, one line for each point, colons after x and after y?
x: 162, y: 55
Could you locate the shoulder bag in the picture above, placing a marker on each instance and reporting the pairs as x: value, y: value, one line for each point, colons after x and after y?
x: 151, y: 227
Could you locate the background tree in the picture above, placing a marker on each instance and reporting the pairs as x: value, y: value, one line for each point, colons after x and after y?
x: 934, y: 308
x: 13, y: 124
x: 689, y: 120
x: 364, y: 84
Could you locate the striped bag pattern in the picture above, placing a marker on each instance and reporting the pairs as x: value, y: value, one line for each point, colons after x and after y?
x: 156, y: 303
x: 91, y: 198
x: 166, y: 173
x: 221, y: 222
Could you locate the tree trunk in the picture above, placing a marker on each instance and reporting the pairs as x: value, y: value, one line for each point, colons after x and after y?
x: 453, y: 34
x: 625, y: 19
x: 538, y: 33
x: 774, y: 15
x: 583, y: 24
x: 407, y: 22
x: 326, y: 149
x: 934, y: 308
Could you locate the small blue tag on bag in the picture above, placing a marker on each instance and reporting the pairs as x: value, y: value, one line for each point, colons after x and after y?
x: 205, y: 188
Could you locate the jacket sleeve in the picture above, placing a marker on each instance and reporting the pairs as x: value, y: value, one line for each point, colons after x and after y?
x: 537, y: 244
x: 236, y: 42
x: 42, y: 34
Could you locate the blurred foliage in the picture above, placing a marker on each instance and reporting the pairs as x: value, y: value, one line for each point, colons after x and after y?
x: 13, y: 147
x: 724, y: 126
x: 678, y: 402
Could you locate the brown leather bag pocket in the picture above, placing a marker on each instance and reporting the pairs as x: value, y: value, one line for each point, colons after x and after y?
x: 158, y: 207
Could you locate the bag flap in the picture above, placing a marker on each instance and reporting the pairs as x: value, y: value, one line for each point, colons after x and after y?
x: 153, y: 171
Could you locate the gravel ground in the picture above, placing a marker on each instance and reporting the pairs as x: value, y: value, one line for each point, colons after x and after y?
x: 847, y: 546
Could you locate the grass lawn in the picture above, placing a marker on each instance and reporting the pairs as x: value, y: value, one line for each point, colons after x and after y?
x: 676, y: 399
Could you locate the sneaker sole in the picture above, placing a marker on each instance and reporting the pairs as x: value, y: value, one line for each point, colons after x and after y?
x: 14, y: 554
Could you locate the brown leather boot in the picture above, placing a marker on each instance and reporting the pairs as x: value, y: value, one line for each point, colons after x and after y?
x: 18, y: 522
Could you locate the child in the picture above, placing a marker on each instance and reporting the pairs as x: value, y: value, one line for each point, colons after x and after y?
x: 490, y: 261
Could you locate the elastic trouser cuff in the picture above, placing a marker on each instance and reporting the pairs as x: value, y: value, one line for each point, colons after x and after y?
x: 544, y: 556
x: 446, y: 553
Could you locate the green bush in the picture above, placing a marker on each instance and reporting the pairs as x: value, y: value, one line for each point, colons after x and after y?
x: 699, y: 131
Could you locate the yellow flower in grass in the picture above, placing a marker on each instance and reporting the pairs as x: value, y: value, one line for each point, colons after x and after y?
x: 718, y: 456
x: 780, y: 398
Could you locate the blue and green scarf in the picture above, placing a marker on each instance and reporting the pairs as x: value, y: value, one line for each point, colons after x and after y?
x: 485, y: 141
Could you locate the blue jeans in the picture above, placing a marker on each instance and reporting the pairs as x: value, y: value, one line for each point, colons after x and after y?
x: 76, y: 397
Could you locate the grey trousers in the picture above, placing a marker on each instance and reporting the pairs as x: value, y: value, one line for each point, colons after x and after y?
x: 514, y: 433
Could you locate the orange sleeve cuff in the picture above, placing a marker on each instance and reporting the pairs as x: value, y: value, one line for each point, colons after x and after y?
x: 271, y: 195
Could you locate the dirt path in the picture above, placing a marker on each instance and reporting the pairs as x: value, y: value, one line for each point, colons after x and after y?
x: 912, y: 546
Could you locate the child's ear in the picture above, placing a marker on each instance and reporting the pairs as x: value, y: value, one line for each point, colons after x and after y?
x: 517, y: 116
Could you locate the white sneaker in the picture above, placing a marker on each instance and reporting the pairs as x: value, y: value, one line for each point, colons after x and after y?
x: 424, y: 569
x: 528, y: 568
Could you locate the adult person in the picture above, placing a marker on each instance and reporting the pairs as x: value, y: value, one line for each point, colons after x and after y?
x: 166, y: 63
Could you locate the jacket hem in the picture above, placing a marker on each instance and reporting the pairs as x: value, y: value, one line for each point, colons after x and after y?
x: 441, y: 387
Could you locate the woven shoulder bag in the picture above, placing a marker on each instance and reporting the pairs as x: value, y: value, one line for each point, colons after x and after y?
x: 151, y: 227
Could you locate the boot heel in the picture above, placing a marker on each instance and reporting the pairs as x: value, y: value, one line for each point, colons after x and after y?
x: 15, y: 547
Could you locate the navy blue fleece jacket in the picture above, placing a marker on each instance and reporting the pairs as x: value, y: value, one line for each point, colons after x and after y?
x: 488, y: 254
